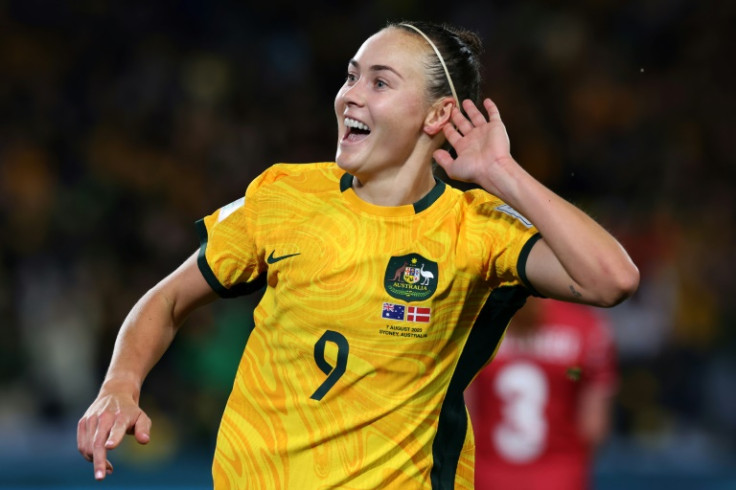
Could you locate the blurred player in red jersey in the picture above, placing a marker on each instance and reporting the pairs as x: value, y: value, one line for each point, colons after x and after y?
x: 541, y: 407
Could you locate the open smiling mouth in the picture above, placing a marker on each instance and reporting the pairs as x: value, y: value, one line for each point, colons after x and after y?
x: 355, y: 130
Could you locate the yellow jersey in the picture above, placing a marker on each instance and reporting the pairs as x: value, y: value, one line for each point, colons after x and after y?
x: 364, y: 340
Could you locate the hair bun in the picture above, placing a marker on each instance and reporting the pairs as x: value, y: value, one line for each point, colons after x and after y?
x: 469, y: 38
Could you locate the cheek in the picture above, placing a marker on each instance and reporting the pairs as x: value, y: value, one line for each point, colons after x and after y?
x: 407, y: 116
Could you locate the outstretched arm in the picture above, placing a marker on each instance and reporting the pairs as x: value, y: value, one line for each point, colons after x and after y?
x: 144, y: 336
x: 576, y: 260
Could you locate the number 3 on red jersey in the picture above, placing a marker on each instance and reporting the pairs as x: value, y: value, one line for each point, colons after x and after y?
x: 523, y: 389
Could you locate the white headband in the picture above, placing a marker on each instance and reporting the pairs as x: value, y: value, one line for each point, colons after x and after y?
x: 442, y: 61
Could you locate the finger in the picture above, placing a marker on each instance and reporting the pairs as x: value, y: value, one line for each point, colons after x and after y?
x: 460, y: 121
x: 143, y: 429
x: 477, y: 118
x: 89, y: 436
x: 99, y: 452
x: 108, y: 467
x: 443, y: 158
x: 451, y: 134
x: 99, y: 461
x: 81, y: 434
x: 117, y: 432
x: 493, y: 114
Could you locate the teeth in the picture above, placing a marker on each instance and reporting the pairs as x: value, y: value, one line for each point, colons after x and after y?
x: 352, y: 123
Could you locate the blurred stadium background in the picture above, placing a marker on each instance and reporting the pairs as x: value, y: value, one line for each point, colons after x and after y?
x: 121, y: 123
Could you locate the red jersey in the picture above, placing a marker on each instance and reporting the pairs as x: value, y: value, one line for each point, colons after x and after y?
x: 524, y: 404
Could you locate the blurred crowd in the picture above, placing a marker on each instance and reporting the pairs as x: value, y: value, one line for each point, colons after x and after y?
x: 121, y: 123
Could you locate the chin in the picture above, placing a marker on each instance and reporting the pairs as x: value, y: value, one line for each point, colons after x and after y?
x: 345, y: 163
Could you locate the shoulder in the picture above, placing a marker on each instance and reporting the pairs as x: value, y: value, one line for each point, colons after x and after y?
x: 485, y: 203
x: 297, y: 177
x: 300, y: 171
x: 482, y: 206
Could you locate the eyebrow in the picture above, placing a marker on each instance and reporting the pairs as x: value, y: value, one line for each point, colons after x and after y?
x: 377, y: 68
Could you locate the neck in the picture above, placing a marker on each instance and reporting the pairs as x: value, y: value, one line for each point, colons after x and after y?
x: 403, y: 186
x: 399, y: 183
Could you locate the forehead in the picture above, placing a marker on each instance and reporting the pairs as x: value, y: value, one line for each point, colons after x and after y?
x: 401, y: 50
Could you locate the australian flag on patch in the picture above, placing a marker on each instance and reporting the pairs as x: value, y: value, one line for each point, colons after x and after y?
x: 393, y: 311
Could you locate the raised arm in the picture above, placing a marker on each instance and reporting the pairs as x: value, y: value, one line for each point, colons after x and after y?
x: 146, y: 333
x: 576, y: 259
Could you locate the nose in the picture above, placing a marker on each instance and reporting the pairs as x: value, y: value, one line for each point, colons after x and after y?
x: 353, y: 95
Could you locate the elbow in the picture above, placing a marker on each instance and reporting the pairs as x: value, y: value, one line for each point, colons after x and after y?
x: 627, y: 282
x: 622, y: 284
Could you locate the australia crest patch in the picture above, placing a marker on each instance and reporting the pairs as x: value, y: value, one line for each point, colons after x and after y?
x: 411, y: 277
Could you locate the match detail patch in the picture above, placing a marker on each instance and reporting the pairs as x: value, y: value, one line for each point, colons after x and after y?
x: 505, y: 208
x: 229, y: 209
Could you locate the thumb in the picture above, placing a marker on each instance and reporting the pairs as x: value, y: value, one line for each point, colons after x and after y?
x: 142, y: 429
x: 443, y: 159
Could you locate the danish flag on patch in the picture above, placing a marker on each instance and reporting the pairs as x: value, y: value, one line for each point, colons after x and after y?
x: 418, y: 314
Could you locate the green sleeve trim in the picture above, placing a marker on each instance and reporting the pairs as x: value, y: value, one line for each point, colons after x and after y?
x: 204, y: 267
x: 521, y: 264
x: 211, y: 278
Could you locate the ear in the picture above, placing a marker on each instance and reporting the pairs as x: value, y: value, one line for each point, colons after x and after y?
x: 439, y: 115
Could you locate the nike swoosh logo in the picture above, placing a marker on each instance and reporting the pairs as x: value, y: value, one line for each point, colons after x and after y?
x: 272, y: 260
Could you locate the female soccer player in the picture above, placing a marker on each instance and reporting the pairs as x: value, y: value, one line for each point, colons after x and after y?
x: 375, y: 274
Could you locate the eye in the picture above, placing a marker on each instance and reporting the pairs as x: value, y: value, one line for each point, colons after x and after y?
x: 380, y: 83
x: 351, y: 77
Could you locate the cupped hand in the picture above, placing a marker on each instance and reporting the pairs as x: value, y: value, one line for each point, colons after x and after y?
x: 479, y: 142
x: 103, y: 426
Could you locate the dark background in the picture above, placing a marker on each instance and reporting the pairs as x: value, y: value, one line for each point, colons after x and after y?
x: 121, y: 123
